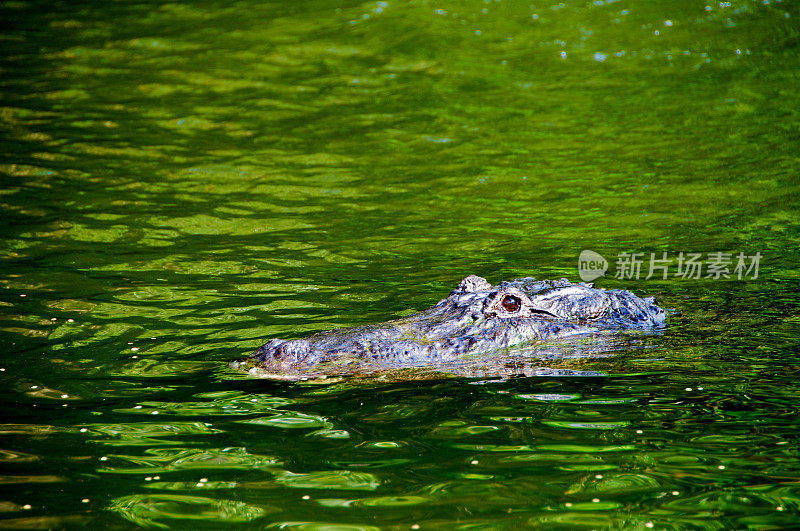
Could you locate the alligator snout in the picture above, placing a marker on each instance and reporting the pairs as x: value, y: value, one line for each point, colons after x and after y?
x: 285, y: 353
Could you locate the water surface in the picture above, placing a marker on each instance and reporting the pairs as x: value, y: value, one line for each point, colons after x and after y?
x: 182, y: 181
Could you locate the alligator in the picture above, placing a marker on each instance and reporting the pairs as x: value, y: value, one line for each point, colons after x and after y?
x: 477, y: 322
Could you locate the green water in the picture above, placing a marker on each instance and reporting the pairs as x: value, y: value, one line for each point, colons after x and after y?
x: 182, y: 181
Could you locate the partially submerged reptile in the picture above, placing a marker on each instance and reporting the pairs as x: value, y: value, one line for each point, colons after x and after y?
x: 476, y: 323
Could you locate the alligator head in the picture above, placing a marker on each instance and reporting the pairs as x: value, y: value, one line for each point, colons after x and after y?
x: 477, y: 320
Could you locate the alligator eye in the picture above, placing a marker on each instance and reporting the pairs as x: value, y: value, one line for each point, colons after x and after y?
x: 511, y: 303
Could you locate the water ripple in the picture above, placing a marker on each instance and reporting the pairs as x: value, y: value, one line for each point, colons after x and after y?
x: 163, y: 510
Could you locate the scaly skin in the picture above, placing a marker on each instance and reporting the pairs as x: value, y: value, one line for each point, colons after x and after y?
x: 476, y: 321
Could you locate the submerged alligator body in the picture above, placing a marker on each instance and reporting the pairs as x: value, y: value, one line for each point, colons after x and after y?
x: 477, y: 321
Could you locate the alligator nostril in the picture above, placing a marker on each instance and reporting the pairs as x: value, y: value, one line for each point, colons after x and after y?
x: 511, y: 303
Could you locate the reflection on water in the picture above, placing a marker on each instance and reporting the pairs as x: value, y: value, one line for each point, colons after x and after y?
x: 608, y: 446
x: 160, y: 460
x: 146, y: 433
x: 160, y: 510
x: 181, y: 181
